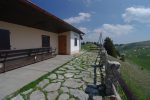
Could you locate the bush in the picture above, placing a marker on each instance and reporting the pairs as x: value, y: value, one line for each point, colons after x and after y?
x: 122, y: 58
x: 110, y: 48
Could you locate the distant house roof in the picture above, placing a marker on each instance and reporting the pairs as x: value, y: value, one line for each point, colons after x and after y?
x: 23, y: 12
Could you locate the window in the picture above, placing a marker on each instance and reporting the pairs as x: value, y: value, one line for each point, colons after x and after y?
x: 45, y: 41
x: 4, y: 39
x: 75, y: 41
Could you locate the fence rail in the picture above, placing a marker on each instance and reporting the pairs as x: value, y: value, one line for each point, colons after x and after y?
x: 129, y: 94
x: 12, y: 59
x: 6, y: 55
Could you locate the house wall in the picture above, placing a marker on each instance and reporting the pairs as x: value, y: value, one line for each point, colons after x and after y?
x: 73, y: 48
x: 22, y: 37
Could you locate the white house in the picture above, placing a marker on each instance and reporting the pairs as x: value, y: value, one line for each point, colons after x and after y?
x: 27, y: 34
x: 23, y: 25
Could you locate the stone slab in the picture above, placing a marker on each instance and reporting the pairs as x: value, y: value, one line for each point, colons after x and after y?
x: 13, y: 80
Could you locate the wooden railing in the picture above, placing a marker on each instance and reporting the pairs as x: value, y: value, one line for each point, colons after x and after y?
x: 12, y: 59
x: 129, y: 94
x: 6, y: 55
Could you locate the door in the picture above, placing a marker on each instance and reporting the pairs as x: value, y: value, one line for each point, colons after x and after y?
x: 4, y: 39
x: 62, y: 44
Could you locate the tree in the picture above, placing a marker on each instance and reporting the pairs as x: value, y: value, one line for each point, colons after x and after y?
x: 83, y: 43
x: 109, y: 46
x: 122, y: 57
x: 118, y: 53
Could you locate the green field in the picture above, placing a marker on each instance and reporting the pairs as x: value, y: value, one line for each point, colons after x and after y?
x: 137, y: 80
x: 88, y: 46
x: 140, y: 56
x: 136, y: 68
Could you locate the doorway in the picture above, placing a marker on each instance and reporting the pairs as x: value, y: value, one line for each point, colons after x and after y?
x: 62, y: 44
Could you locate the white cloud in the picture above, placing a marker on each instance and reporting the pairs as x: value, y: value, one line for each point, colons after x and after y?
x: 84, y: 29
x: 109, y: 30
x: 114, y: 29
x: 93, y: 37
x: 98, y: 30
x: 78, y: 19
x: 117, y: 29
x: 139, y: 14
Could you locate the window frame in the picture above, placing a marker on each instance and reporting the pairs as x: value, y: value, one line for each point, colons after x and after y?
x: 75, y: 41
x: 44, y: 42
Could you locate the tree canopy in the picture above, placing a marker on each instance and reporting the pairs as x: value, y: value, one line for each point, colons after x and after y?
x: 109, y: 46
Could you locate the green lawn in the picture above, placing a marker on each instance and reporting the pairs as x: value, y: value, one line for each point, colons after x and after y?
x: 140, y: 57
x: 137, y: 74
x: 88, y: 46
x: 136, y: 71
x: 138, y: 80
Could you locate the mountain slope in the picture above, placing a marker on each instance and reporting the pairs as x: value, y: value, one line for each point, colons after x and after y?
x: 143, y: 44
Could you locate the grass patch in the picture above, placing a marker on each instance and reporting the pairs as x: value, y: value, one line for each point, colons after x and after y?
x: 138, y: 80
x: 140, y: 57
x: 136, y: 71
x: 88, y: 46
x: 121, y: 92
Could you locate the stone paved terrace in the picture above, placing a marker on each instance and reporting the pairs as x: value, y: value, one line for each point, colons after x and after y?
x: 68, y: 82
x: 13, y: 80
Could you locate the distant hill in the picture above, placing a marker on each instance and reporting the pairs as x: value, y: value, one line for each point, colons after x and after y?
x: 143, y: 44
x: 136, y: 68
x: 138, y: 53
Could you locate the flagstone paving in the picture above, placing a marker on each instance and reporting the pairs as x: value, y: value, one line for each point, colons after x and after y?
x: 66, y: 83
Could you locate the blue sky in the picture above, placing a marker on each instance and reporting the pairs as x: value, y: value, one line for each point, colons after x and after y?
x: 124, y: 21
